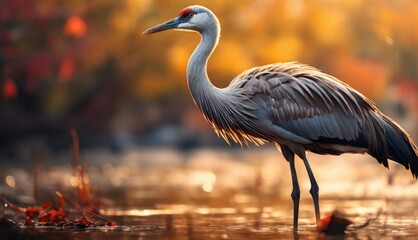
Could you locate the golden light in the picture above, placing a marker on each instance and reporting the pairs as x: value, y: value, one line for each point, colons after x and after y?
x: 86, y: 179
x: 207, y: 187
x: 11, y: 181
x: 146, y: 213
x: 204, y: 179
x: 73, y: 181
x: 389, y: 40
x: 108, y: 169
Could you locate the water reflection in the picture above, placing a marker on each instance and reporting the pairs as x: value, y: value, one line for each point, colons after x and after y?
x: 215, y: 194
x: 271, y: 222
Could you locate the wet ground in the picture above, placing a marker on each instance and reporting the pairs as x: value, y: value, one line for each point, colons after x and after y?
x: 247, y: 223
x: 224, y: 194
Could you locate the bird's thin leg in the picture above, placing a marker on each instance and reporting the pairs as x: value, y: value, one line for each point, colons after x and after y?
x: 295, y: 193
x: 314, y: 189
x: 290, y: 157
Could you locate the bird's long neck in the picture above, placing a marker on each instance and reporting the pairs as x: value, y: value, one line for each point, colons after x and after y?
x: 202, y: 90
x: 219, y: 106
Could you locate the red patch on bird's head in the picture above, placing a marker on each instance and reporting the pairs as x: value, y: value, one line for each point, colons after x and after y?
x: 186, y: 12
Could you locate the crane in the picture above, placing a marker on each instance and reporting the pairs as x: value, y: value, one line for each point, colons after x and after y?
x: 293, y: 105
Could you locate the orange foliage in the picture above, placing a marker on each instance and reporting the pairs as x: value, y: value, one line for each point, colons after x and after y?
x: 75, y: 27
x: 177, y: 57
x: 231, y: 59
x: 152, y: 85
x: 287, y: 48
x: 329, y: 27
x: 66, y: 69
x: 367, y: 44
x: 367, y: 76
x: 406, y: 91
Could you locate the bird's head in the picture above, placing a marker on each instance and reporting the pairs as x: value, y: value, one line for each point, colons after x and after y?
x: 192, y: 18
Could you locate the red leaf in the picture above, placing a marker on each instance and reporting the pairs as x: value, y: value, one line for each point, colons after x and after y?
x: 32, y: 211
x: 53, y: 216
x: 333, y: 224
x: 10, y: 90
x: 46, y: 205
x: 84, y: 222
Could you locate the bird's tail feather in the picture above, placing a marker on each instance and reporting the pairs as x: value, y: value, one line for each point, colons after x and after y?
x: 400, y: 146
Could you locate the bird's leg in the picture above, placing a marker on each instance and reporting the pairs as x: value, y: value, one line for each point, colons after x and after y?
x: 314, y: 189
x: 290, y: 157
x: 295, y: 193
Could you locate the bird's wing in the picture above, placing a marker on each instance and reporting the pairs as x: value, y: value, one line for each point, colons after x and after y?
x: 306, y: 102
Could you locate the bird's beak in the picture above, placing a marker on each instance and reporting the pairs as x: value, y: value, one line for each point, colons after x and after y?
x: 172, y: 24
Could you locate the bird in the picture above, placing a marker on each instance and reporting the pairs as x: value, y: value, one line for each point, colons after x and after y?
x: 292, y: 105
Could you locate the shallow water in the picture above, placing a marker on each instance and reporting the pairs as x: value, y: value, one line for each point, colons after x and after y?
x: 212, y: 194
x: 397, y: 220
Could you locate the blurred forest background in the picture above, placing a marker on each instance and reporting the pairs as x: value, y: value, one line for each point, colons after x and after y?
x: 84, y: 65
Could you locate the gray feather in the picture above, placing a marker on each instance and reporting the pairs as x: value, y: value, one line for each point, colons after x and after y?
x: 292, y: 105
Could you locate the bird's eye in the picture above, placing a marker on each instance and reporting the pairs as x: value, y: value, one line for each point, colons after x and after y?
x: 188, y: 15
